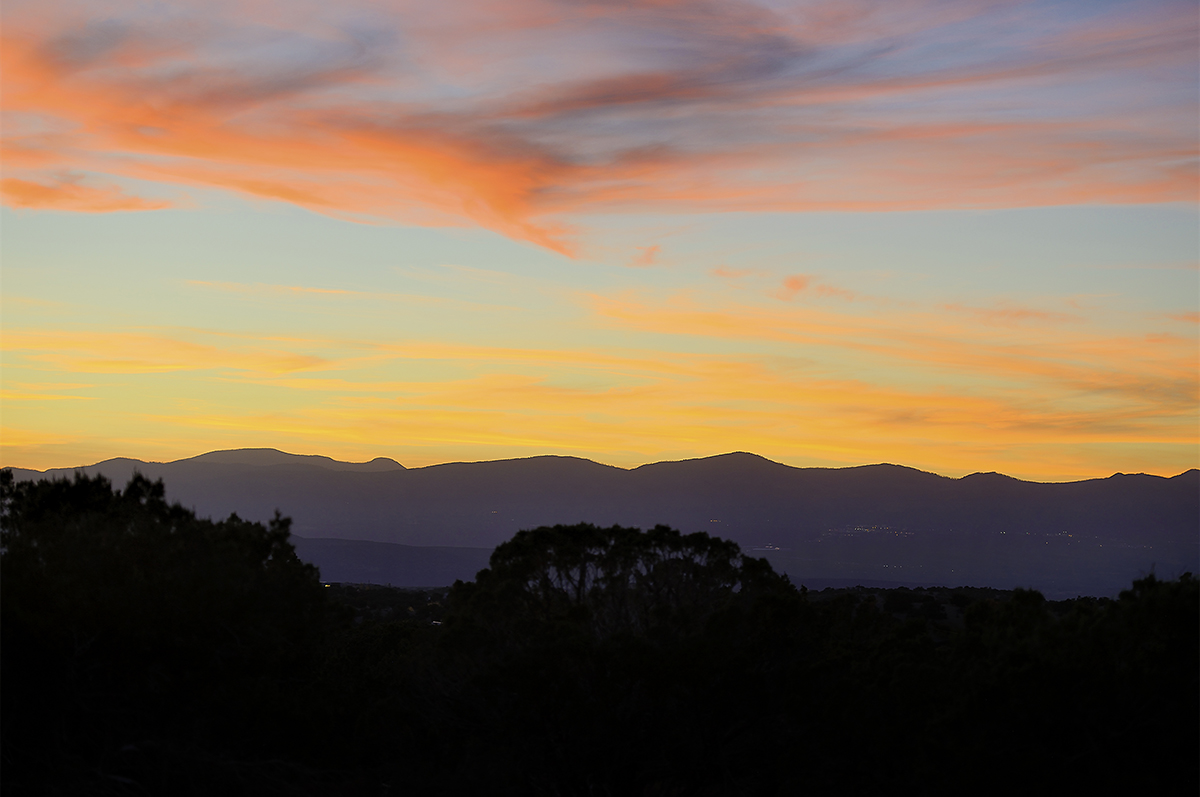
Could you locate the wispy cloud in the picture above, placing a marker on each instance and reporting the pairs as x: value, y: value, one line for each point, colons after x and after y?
x: 93, y: 352
x: 799, y: 284
x: 725, y: 272
x: 1007, y: 315
x: 69, y: 192
x: 647, y: 256
x: 18, y: 392
x: 765, y: 404
x: 371, y: 112
x: 241, y: 287
x: 1149, y: 374
x: 792, y: 382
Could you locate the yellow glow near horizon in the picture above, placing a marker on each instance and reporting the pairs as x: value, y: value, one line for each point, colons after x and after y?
x: 1041, y: 415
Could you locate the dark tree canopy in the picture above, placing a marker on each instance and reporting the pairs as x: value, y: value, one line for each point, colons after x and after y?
x: 85, y: 560
x: 121, y: 608
x: 616, y: 581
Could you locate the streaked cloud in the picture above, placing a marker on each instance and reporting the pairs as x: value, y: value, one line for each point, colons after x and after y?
x: 1009, y: 315
x: 799, y: 284
x: 26, y: 395
x: 647, y: 256
x: 382, y: 112
x: 92, y: 352
x: 905, y: 386
x: 725, y: 272
x: 1152, y: 373
x: 239, y: 287
x: 70, y: 193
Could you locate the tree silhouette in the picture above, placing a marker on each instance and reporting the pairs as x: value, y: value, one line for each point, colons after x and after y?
x: 125, y: 617
x: 614, y: 581
x: 609, y: 660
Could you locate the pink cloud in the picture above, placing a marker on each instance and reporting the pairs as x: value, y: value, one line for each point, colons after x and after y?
x: 516, y: 116
x: 648, y: 256
x: 792, y: 286
x: 797, y: 284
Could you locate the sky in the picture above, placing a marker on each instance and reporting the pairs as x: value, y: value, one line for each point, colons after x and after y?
x: 960, y: 236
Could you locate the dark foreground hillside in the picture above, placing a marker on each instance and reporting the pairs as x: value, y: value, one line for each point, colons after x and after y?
x: 146, y: 651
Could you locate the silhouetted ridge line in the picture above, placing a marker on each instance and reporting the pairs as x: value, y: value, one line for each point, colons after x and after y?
x: 270, y: 456
x: 881, y: 522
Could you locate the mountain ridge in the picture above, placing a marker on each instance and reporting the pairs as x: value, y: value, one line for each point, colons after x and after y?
x: 267, y: 457
x: 868, y: 522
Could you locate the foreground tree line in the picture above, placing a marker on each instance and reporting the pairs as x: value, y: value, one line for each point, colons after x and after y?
x: 146, y: 651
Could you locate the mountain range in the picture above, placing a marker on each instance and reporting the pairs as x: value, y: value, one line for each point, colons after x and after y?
x: 876, y: 525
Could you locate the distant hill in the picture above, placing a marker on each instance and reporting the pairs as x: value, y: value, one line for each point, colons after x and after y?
x: 874, y: 523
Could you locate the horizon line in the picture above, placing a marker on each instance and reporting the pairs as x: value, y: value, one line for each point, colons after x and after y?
x: 401, y: 466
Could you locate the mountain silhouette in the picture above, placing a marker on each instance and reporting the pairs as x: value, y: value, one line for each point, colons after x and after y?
x: 872, y: 524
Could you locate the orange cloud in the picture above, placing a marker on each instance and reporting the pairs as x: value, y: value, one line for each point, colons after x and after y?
x: 343, y: 162
x: 725, y: 272
x: 801, y: 283
x: 797, y: 283
x: 25, y: 395
x: 70, y: 194
x: 648, y: 256
x: 704, y: 404
x: 1153, y: 376
x: 797, y: 384
x: 279, y: 291
x: 132, y: 353
x: 747, y: 109
x: 1007, y: 316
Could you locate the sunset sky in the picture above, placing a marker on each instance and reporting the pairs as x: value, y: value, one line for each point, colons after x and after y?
x: 960, y: 236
